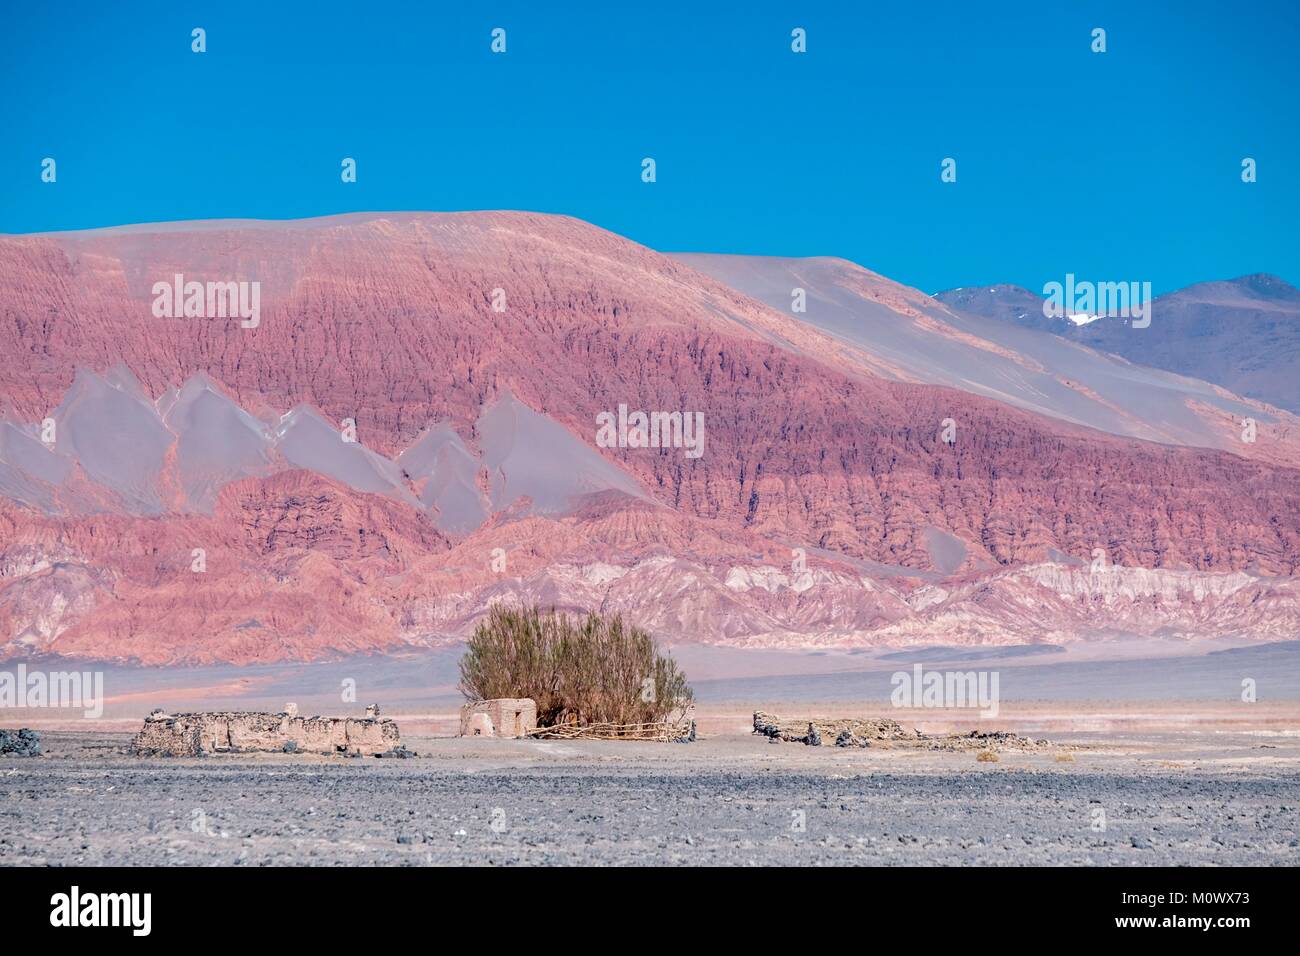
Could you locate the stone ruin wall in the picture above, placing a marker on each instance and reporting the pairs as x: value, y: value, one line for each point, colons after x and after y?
x: 193, y: 735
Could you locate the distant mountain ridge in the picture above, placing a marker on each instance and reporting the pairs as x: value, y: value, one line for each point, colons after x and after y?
x: 1242, y: 334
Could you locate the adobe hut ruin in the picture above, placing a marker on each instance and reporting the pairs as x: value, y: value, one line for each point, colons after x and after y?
x: 502, y: 717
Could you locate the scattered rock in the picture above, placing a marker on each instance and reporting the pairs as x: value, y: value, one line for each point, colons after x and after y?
x: 400, y: 751
x: 990, y: 740
x: 20, y: 743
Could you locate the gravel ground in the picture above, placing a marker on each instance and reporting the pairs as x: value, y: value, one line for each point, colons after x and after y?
x: 1192, y: 799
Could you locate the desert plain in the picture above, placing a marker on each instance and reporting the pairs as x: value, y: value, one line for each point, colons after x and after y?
x: 1152, y: 758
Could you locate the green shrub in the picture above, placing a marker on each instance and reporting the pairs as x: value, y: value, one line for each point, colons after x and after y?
x: 594, y: 670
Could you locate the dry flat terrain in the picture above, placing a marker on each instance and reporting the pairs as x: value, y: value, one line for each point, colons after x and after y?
x: 1191, y: 797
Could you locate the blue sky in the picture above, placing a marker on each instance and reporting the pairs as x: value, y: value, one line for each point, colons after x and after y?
x: 1122, y: 165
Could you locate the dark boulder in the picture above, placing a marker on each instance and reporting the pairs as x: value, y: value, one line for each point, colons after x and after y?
x: 20, y: 743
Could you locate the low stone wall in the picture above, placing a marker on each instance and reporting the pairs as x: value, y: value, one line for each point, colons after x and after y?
x: 883, y: 732
x: 805, y: 729
x: 501, y: 717
x: 193, y: 735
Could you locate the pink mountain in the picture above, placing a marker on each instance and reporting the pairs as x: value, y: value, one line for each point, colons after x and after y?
x: 185, y: 489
